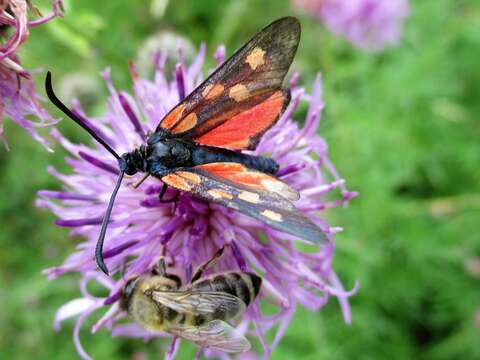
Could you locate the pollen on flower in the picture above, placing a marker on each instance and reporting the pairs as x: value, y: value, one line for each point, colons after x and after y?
x: 143, y: 229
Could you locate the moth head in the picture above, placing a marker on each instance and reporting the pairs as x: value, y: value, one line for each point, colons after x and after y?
x: 131, y: 163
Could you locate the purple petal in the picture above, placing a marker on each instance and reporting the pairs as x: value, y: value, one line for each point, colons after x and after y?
x: 79, y: 222
x: 98, y: 163
x: 172, y: 349
x: 238, y: 256
x: 65, y: 195
x: 220, y: 55
x: 179, y: 73
x: 132, y: 116
x: 71, y: 309
x: 113, y: 298
x: 118, y: 249
x: 76, y: 333
x: 100, y: 133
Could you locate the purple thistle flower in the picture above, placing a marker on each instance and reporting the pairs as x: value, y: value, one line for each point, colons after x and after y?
x: 18, y: 99
x: 368, y: 24
x: 189, y: 233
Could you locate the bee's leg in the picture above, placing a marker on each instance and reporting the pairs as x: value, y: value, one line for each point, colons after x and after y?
x: 162, y: 194
x: 160, y: 268
x: 123, y: 268
x: 198, y: 273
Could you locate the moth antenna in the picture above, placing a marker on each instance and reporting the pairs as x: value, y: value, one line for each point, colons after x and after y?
x: 62, y: 107
x: 99, y: 247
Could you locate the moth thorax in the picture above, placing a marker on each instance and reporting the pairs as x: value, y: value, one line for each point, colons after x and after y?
x: 169, y: 153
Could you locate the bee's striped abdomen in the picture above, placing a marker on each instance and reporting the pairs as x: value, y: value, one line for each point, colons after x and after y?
x: 168, y: 314
x: 243, y: 285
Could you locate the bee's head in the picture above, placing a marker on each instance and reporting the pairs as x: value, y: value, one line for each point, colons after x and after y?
x: 128, y: 291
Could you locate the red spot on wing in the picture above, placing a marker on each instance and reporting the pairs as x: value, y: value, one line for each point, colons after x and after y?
x: 253, y: 179
x: 237, y: 173
x: 186, y: 124
x: 239, y: 131
x: 173, y: 117
x: 177, y: 181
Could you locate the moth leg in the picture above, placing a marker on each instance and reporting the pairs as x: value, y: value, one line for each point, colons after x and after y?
x: 198, y: 273
x: 158, y: 170
x: 162, y: 194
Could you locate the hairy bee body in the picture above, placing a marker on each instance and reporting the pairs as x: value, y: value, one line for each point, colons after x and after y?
x: 137, y: 301
x: 137, y: 298
x: 243, y: 285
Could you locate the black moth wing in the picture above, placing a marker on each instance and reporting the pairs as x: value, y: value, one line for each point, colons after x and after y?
x: 248, y: 77
x: 267, y: 206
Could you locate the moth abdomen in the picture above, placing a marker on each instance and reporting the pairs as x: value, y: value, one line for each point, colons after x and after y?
x: 206, y: 155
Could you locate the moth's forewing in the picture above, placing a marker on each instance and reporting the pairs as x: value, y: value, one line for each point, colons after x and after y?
x: 249, y: 77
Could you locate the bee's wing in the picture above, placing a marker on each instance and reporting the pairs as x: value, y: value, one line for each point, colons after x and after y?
x: 201, y: 302
x: 216, y: 335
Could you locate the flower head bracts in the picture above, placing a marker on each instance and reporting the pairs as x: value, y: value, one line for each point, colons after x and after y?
x: 142, y: 229
x: 19, y: 102
x: 14, y: 13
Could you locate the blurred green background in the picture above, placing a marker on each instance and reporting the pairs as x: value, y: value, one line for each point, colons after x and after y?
x: 403, y: 129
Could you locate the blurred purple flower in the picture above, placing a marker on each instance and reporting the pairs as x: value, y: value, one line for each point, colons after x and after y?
x: 142, y: 228
x: 369, y: 24
x: 18, y: 99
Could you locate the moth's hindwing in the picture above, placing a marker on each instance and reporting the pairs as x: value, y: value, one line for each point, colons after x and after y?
x: 251, y: 192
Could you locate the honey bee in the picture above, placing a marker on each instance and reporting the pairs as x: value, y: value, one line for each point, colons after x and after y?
x: 198, y: 312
